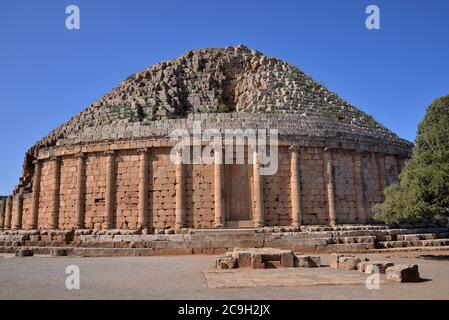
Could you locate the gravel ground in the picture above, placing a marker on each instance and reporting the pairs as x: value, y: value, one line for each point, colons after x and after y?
x: 182, y: 278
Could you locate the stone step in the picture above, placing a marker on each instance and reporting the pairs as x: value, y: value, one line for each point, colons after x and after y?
x: 412, y: 243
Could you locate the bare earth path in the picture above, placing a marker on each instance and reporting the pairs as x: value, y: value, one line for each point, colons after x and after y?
x: 184, y: 278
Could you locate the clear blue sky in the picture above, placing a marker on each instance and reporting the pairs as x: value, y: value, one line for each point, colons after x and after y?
x: 48, y: 74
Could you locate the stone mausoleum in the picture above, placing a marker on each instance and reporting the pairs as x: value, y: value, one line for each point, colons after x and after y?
x: 109, y: 166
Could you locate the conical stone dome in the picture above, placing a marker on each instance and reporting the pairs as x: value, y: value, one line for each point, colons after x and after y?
x: 225, y: 87
x: 110, y: 166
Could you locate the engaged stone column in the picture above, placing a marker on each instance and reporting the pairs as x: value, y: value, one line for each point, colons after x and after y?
x: 35, y: 195
x: 143, y: 189
x: 400, y: 164
x: 259, y: 218
x: 330, y: 186
x: 358, y: 187
x: 8, y: 213
x: 295, y: 185
x: 179, y: 188
x: 110, y: 189
x: 18, y: 212
x: 54, y: 223
x: 2, y: 212
x: 218, y: 190
x: 381, y: 174
x: 81, y: 191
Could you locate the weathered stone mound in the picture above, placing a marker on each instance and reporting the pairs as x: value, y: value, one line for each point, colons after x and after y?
x: 210, y: 81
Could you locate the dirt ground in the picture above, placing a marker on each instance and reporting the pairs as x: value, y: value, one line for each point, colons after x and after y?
x: 192, y: 277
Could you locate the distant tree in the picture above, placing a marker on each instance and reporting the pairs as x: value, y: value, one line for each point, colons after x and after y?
x: 422, y: 194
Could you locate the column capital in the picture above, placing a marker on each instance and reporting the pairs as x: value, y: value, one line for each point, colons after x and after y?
x: 294, y: 148
x: 36, y: 162
x: 110, y: 153
x: 55, y: 158
x: 81, y: 155
x: 143, y: 150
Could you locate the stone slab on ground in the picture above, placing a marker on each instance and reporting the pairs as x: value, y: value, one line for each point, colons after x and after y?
x: 261, y: 258
x: 377, y: 266
x: 300, y: 277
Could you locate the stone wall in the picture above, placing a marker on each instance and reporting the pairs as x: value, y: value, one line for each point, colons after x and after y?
x: 95, y: 215
x: 162, y: 190
x: 111, y: 196
x: 277, y: 195
x: 313, y: 193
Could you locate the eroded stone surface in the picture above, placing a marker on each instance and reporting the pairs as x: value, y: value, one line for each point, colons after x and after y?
x: 403, y: 273
x: 306, y: 261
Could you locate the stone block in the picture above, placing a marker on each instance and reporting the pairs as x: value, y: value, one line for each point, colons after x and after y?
x: 59, y: 252
x: 256, y: 261
x: 244, y: 259
x: 24, y: 253
x: 306, y: 261
x: 334, y: 259
x: 403, y: 273
x: 287, y: 260
x: 348, y: 263
x: 226, y: 262
x: 377, y: 266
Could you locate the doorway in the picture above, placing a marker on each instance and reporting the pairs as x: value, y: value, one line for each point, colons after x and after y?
x: 238, y: 195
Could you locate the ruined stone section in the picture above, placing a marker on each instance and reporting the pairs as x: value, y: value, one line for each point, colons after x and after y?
x: 403, y: 273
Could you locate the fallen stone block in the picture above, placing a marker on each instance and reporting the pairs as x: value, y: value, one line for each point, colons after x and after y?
x: 348, y: 263
x: 403, y: 273
x: 226, y: 262
x: 24, y: 253
x: 256, y: 261
x: 305, y: 261
x: 378, y: 266
x: 287, y: 260
x: 334, y: 259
